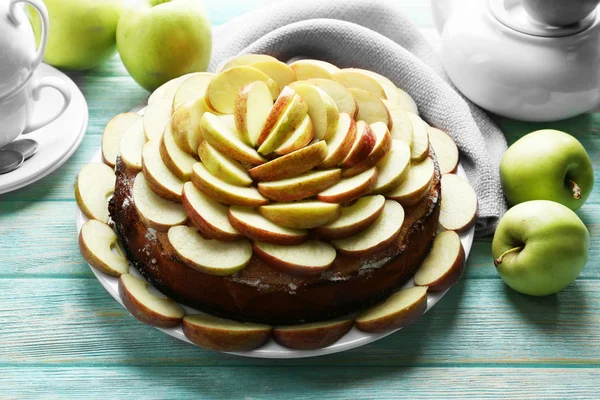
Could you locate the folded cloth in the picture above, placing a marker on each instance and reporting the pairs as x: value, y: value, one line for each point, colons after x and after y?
x: 376, y: 35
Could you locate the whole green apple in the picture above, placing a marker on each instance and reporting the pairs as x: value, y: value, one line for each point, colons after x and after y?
x: 159, y: 40
x: 82, y: 33
x: 540, y: 247
x: 547, y: 165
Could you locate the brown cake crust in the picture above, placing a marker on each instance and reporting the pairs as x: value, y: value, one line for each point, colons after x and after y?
x: 263, y: 294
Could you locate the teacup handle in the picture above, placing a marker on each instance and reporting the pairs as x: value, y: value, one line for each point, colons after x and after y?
x: 56, y: 83
x: 41, y: 9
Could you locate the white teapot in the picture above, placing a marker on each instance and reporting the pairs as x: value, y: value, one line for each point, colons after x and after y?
x: 533, y: 60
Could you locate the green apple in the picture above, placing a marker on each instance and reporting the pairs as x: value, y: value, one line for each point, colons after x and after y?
x: 547, y: 165
x: 540, y: 247
x: 159, y: 40
x: 82, y: 32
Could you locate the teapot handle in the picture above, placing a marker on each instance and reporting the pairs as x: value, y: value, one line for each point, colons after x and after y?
x: 41, y: 9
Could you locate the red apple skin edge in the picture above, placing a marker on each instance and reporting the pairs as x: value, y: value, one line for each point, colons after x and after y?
x: 287, y: 267
x: 134, y: 307
x: 412, y: 314
x: 313, y: 339
x: 220, y: 340
x: 451, y: 276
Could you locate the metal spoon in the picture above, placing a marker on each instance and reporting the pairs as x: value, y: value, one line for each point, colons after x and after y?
x: 10, y: 160
x: 27, y: 147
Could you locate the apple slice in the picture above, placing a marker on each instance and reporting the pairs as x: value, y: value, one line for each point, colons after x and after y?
x: 399, y: 310
x: 420, y: 146
x: 299, y: 138
x: 218, y: 135
x: 225, y: 192
x: 167, y: 90
x: 321, y: 108
x: 111, y: 137
x: 98, y: 244
x: 191, y: 89
x: 281, y: 105
x: 364, y: 142
x: 132, y: 144
x: 341, y: 142
x: 178, y: 161
x: 251, y: 109
x: 280, y: 72
x: 402, y: 128
x: 224, y: 87
x: 382, y: 146
x: 355, y: 78
x: 445, y: 150
x: 156, y: 311
x: 254, y: 226
x: 185, y: 125
x: 458, y: 209
x: 393, y: 168
x: 341, y: 96
x: 223, y: 167
x: 377, y: 236
x: 416, y: 185
x: 156, y: 116
x: 95, y: 184
x: 307, y: 69
x: 212, y: 257
x: 287, y: 122
x: 312, y: 336
x: 406, y: 102
x: 301, y: 215
x: 160, y: 178
x: 444, y: 264
x: 349, y: 189
x: 246, y: 59
x: 220, y: 334
x: 370, y: 107
x: 292, y: 164
x: 154, y: 211
x: 353, y: 219
x: 208, y: 215
x: 301, y: 186
x: 390, y: 90
x: 307, y: 259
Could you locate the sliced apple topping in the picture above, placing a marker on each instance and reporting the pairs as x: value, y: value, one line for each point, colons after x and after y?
x: 390, y: 90
x: 254, y: 226
x: 132, y: 144
x: 341, y: 142
x: 98, y: 245
x: 213, y: 257
x: 300, y: 187
x: 383, y: 144
x: 444, y: 264
x: 223, y: 88
x: 308, y: 69
x: 353, y: 219
x: 223, y: 167
x: 292, y: 164
x: 445, y: 150
x: 321, y: 108
x: 150, y: 309
x: 393, y: 168
x: 339, y: 93
x: 356, y: 79
x: 251, y: 109
x: 458, y: 208
x: 416, y: 185
x: 363, y: 144
x: 156, y: 116
x: 309, y: 258
x: 420, y: 146
x: 246, y: 59
x: 370, y: 107
x: 351, y: 188
x: 281, y: 105
x: 377, y: 236
x: 178, y: 161
x: 398, y: 311
x: 191, y: 89
x: 402, y: 128
x: 300, y: 137
x: 160, y: 178
x: 406, y: 102
x: 312, y: 336
x: 280, y: 72
x: 111, y: 137
x: 287, y: 122
x: 220, y: 334
x: 302, y: 214
x: 225, y: 192
x: 167, y: 90
x: 154, y: 211
x: 95, y: 184
x: 185, y: 125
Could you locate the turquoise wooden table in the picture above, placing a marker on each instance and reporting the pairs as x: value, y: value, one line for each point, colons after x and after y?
x: 63, y: 336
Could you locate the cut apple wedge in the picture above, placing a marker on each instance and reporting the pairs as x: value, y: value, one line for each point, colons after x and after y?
x: 458, y: 208
x: 300, y: 187
x: 420, y: 145
x: 289, y: 120
x: 185, y: 125
x: 416, y: 185
x: 220, y: 334
x: 224, y: 87
x: 251, y: 109
x: 225, y: 192
x: 246, y: 59
x: 390, y: 90
x: 279, y: 108
x: 178, y: 161
x: 254, y: 226
x: 308, y: 69
x: 216, y: 132
x: 156, y: 116
x: 299, y: 138
x: 357, y: 79
x: 191, y: 89
x: 349, y: 189
x: 341, y: 142
x: 98, y: 244
x: 160, y: 178
x: 292, y: 164
x: 132, y: 144
x: 213, y: 257
x: 302, y: 214
x: 364, y: 142
x: 382, y: 146
x: 223, y: 167
x: 167, y: 90
x: 280, y: 72
x: 393, y: 168
x: 339, y: 93
x: 406, y: 102
x: 444, y: 264
x: 377, y: 236
x: 445, y: 150
x: 312, y: 336
x: 95, y: 184
x: 401, y: 125
x: 353, y: 219
x: 370, y: 107
x: 208, y: 215
x: 321, y: 108
x: 154, y: 211
x: 111, y: 137
x: 399, y: 310
x: 309, y: 258
x: 150, y: 309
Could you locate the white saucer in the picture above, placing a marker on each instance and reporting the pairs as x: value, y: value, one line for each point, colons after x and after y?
x: 58, y: 140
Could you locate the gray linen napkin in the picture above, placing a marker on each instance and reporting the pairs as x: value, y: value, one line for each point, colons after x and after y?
x: 376, y: 35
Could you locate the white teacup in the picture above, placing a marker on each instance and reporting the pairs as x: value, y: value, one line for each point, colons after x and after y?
x: 18, y: 61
